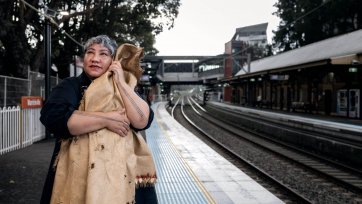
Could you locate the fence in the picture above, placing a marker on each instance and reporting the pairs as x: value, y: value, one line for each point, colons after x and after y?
x: 12, y: 89
x: 19, y: 128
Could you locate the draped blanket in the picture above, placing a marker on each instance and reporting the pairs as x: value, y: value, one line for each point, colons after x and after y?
x: 103, y: 167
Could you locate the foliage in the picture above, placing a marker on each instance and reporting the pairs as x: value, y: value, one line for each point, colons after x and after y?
x: 22, y: 29
x: 308, y: 21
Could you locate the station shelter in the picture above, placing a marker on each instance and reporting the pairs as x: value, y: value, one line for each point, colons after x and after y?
x: 321, y: 78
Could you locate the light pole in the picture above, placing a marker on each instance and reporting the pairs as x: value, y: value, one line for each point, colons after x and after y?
x: 49, y: 15
x: 48, y: 51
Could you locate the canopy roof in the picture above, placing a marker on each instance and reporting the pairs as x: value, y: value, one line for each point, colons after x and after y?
x: 341, y: 49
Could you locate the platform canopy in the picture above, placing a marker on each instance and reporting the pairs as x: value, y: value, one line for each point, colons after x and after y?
x: 343, y: 49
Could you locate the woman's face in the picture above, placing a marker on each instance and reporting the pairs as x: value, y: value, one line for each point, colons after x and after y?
x: 97, y: 59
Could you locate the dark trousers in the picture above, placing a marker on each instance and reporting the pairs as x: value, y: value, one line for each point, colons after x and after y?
x: 146, y: 195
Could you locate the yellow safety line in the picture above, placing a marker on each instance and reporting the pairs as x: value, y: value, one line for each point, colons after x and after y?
x: 198, y: 182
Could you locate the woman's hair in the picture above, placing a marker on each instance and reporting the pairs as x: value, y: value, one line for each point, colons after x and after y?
x: 104, y: 40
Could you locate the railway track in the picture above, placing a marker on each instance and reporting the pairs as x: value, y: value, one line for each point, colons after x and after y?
x: 306, y: 177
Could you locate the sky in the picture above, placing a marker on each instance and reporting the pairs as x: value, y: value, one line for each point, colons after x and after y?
x: 202, y: 27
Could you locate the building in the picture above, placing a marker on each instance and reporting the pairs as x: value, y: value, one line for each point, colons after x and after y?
x: 252, y: 35
x: 238, y: 53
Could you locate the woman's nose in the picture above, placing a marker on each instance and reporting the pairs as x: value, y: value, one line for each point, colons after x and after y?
x: 95, y: 58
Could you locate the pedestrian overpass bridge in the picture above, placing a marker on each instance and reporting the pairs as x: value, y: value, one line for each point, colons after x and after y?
x: 182, y: 69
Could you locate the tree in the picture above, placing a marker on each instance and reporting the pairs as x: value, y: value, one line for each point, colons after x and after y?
x: 21, y: 40
x: 306, y: 21
x: 14, y: 52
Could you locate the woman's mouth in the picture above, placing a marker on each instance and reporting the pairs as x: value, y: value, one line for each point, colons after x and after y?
x: 94, y: 66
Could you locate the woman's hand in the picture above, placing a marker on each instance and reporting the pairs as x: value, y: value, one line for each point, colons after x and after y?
x: 117, y: 70
x: 117, y: 122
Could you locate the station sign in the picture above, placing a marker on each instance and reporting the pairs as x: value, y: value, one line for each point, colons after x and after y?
x: 31, y: 102
x: 206, y: 67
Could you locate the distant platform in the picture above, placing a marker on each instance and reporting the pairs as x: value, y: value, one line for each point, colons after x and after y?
x: 330, y: 123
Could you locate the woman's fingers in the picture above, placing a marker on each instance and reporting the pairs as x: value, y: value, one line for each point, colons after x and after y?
x: 120, y: 127
x: 123, y: 132
x: 118, y: 122
x: 125, y: 120
x: 117, y: 70
x: 123, y: 127
x: 115, y: 66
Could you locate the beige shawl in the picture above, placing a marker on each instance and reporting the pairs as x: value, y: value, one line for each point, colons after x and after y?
x: 103, y: 167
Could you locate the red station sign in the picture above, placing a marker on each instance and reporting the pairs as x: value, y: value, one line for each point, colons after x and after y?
x: 31, y: 102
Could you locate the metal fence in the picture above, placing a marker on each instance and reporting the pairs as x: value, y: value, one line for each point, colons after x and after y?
x: 12, y: 89
x: 19, y: 128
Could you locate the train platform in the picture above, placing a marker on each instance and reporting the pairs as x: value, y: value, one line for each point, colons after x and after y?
x: 191, y: 172
x: 188, y: 170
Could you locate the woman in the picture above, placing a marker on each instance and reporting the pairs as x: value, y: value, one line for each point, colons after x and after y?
x: 60, y: 114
